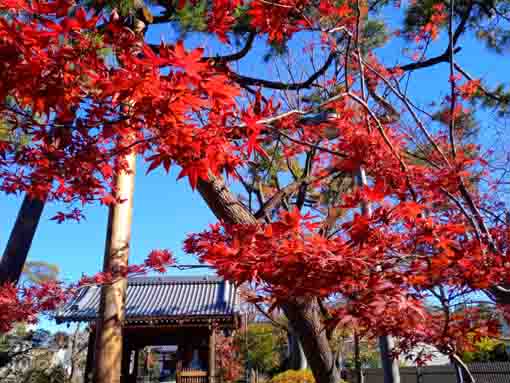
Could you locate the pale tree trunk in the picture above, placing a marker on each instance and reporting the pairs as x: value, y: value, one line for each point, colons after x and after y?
x: 297, y: 357
x: 20, y: 240
x: 108, y: 347
x: 357, y: 359
x: 390, y: 366
x: 303, y: 313
x: 462, y: 372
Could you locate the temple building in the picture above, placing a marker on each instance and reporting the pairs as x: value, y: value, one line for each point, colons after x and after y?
x: 170, y: 327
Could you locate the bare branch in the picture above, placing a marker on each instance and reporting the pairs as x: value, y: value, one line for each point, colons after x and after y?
x: 234, y: 56
x: 453, y: 96
x: 442, y: 58
x: 245, y: 80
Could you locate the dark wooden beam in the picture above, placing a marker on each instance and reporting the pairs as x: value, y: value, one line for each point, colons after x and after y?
x: 135, y: 367
x: 90, y: 357
x: 212, y: 355
x: 126, y: 358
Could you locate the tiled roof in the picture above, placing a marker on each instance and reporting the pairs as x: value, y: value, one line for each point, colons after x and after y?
x: 164, y: 299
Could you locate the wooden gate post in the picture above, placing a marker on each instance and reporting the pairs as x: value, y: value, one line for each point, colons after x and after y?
x: 107, y: 363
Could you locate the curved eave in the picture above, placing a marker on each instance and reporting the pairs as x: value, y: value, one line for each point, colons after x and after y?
x: 224, y: 320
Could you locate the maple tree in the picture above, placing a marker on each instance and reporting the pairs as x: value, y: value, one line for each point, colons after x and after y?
x: 349, y: 191
x: 229, y: 360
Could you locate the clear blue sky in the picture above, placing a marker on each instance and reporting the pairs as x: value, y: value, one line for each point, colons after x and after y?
x: 165, y: 211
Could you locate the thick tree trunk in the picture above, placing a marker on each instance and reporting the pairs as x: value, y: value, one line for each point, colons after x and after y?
x: 20, y: 240
x: 303, y: 313
x: 223, y: 203
x: 108, y: 355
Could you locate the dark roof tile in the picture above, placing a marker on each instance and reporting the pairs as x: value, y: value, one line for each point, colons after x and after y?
x: 161, y: 298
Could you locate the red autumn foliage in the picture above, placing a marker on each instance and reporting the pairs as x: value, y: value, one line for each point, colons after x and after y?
x: 228, y: 358
x: 26, y: 303
x: 420, y: 233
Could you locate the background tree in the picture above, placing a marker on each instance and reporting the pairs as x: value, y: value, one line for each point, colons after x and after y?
x: 263, y: 346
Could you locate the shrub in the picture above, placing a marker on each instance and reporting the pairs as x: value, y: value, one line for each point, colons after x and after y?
x: 294, y: 376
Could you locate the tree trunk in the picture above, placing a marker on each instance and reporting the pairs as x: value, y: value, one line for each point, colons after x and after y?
x: 303, y: 313
x: 20, y: 240
x: 390, y: 366
x: 108, y: 355
x: 357, y: 359
x: 297, y: 357
x: 223, y: 203
x: 462, y: 372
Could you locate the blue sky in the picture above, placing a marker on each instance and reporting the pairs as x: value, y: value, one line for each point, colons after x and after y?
x: 165, y: 210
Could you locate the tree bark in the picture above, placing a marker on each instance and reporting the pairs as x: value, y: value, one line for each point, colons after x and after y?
x: 390, y: 366
x: 108, y: 355
x: 303, y: 313
x: 297, y: 357
x: 357, y: 359
x: 20, y: 240
x: 462, y: 370
x: 223, y: 203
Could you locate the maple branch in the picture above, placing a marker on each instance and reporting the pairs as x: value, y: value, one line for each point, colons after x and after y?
x: 476, y: 213
x: 269, y: 317
x: 406, y: 102
x: 222, y: 202
x: 464, y: 212
x: 387, y: 141
x: 282, y: 85
x: 303, y: 186
x: 288, y: 190
x: 380, y: 128
x: 477, y: 221
x: 313, y: 146
x: 277, y: 198
x: 302, y: 112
